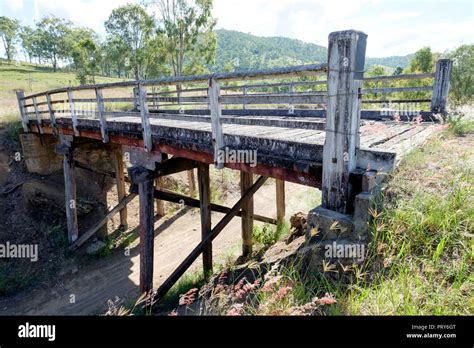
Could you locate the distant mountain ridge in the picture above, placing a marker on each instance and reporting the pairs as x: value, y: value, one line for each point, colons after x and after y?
x: 241, y: 51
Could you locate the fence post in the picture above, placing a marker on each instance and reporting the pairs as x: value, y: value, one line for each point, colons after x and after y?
x: 72, y: 107
x: 20, y: 95
x: 216, y: 112
x: 147, y: 143
x: 52, y: 116
x: 101, y: 112
x: 345, y: 72
x: 37, y: 114
x: 136, y: 99
x: 441, y: 85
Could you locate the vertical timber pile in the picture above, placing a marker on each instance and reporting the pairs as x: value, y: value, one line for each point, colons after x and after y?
x: 65, y: 148
x: 205, y: 208
x: 345, y: 72
x: 246, y: 181
x: 280, y: 201
x: 120, y: 182
x: 144, y: 178
x: 441, y: 86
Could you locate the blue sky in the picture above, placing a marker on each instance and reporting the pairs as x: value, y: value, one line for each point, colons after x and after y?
x: 394, y: 27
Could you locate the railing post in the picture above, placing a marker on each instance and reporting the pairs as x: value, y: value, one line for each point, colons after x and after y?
x: 441, y: 86
x: 101, y: 112
x: 52, y: 116
x: 147, y: 142
x: 216, y: 112
x: 345, y: 72
x: 244, y: 92
x: 20, y: 95
x: 37, y: 114
x: 136, y: 99
x: 292, y: 88
x: 72, y: 107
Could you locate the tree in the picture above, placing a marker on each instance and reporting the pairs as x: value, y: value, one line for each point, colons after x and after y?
x: 86, y: 54
x: 53, y: 39
x: 188, y: 37
x: 26, y: 35
x: 9, y: 34
x: 132, y: 27
x: 376, y: 70
x: 115, y: 57
x: 398, y: 70
x: 462, y: 76
x: 423, y: 61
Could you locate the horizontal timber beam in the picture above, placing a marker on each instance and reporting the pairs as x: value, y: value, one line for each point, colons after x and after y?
x: 192, y: 202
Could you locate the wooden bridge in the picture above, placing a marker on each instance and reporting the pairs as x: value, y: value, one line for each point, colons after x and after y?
x: 305, y: 124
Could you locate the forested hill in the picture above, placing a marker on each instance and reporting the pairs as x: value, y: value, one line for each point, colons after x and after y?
x: 236, y: 50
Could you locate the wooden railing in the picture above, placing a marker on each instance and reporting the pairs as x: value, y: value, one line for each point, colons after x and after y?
x: 211, y: 93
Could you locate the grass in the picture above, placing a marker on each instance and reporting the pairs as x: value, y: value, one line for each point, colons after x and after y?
x: 32, y: 79
x: 268, y: 234
x: 459, y: 125
x: 189, y: 281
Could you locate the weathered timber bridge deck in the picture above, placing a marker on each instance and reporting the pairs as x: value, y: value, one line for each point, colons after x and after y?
x: 302, y: 129
x: 288, y: 153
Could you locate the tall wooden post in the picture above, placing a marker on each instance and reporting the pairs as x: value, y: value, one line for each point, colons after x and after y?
x: 205, y: 207
x: 345, y: 72
x: 441, y: 86
x: 246, y: 181
x: 120, y: 182
x: 144, y: 178
x: 280, y: 201
x: 65, y: 148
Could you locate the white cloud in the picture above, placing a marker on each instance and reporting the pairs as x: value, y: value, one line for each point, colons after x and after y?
x: 87, y: 13
x: 15, y: 5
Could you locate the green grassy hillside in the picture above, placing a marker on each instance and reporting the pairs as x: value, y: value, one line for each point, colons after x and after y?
x: 31, y: 79
x: 244, y: 51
